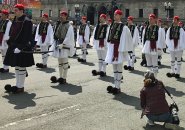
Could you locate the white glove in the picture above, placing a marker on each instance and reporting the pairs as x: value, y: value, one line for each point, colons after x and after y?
x: 17, y: 51
x: 60, y: 46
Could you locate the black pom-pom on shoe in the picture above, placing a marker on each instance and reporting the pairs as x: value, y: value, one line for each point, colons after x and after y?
x: 102, y: 74
x: 53, y: 79
x: 125, y: 67
x: 109, y: 89
x: 8, y: 88
x: 170, y: 75
x: 94, y: 73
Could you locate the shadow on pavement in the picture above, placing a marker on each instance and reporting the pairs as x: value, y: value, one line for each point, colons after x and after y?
x: 156, y: 127
x: 181, y: 80
x: 4, y: 76
x: 47, y: 70
x: 164, y: 66
x: 128, y: 100
x: 107, y: 79
x: 88, y: 63
x: 174, y: 92
x: 21, y: 101
x: 70, y: 88
x: 138, y: 72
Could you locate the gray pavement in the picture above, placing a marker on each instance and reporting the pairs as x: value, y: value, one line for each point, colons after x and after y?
x: 82, y: 104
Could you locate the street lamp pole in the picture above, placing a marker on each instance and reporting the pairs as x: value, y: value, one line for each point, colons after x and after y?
x: 167, y: 6
x: 113, y: 7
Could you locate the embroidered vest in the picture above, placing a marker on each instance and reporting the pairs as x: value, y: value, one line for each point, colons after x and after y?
x: 151, y: 33
x: 3, y: 25
x: 132, y: 28
x: 82, y: 29
x: 115, y: 32
x: 100, y: 32
x: 174, y: 32
x: 61, y: 31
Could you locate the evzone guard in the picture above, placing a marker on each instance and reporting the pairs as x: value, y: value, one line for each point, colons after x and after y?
x: 136, y: 40
x: 100, y: 44
x: 83, y: 38
x: 152, y: 42
x: 175, y: 40
x: 119, y: 43
x: 63, y: 47
x: 163, y: 36
x: 19, y: 41
x: 5, y: 25
x: 44, y: 38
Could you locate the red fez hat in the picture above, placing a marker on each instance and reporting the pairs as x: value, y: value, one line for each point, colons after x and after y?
x: 152, y: 16
x: 176, y: 17
x: 5, y: 12
x: 159, y: 20
x: 84, y: 18
x: 119, y: 12
x: 130, y: 18
x: 45, y: 15
x: 63, y: 13
x: 103, y: 16
x: 19, y: 6
x: 110, y: 20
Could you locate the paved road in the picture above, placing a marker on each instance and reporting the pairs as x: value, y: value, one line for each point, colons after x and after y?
x: 82, y: 104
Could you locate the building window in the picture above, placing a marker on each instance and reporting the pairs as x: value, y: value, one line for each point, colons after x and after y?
x: 50, y: 13
x: 127, y: 13
x: 155, y: 11
x: 140, y: 13
x: 171, y: 13
x: 41, y: 13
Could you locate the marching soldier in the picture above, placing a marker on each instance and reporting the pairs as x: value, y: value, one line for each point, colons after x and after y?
x: 44, y: 38
x: 19, y: 41
x: 175, y: 40
x: 119, y: 43
x: 136, y: 40
x: 83, y: 38
x: 99, y: 42
x: 162, y: 35
x: 152, y: 43
x: 5, y: 25
x: 62, y: 47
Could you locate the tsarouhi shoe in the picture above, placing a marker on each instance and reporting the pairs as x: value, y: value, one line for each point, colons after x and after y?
x: 170, y: 75
x: 95, y: 73
x: 2, y: 70
x: 39, y: 65
x: 62, y: 81
x: 17, y: 90
x: 102, y: 74
x: 116, y: 91
x: 177, y: 76
x: 79, y: 60
x: 126, y: 67
x: 109, y: 89
x: 131, y: 68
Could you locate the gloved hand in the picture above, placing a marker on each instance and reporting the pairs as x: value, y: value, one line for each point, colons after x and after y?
x: 16, y: 51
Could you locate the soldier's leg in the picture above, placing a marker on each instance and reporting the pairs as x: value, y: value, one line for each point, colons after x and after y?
x: 179, y: 62
x: 149, y: 61
x: 155, y: 64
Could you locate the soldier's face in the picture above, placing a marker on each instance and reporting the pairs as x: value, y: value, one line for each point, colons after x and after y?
x: 17, y: 12
x: 117, y: 17
x: 83, y: 21
x: 102, y: 20
x: 159, y: 23
x: 63, y: 17
x: 3, y: 16
x: 151, y: 20
x: 129, y: 21
x: 175, y: 21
